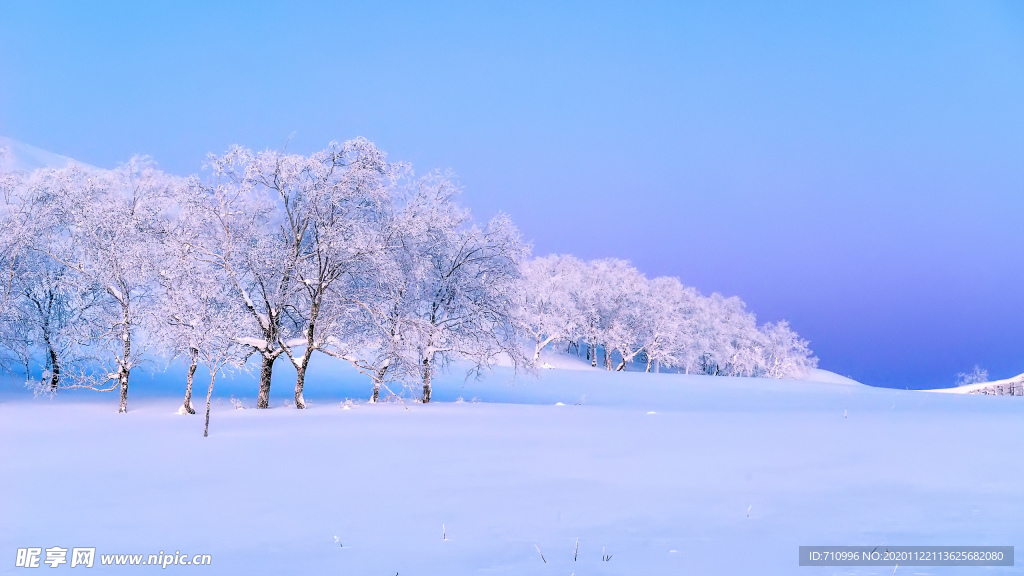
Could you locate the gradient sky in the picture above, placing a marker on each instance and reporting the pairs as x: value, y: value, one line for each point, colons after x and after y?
x: 854, y: 167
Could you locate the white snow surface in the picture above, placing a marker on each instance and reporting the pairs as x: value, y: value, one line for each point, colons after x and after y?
x: 559, y: 361
x: 970, y: 388
x: 819, y: 375
x: 28, y: 158
x: 658, y: 470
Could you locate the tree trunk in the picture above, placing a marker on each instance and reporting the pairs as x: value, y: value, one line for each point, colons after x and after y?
x: 592, y: 351
x: 622, y: 365
x: 300, y: 383
x: 194, y: 355
x: 300, y: 376
x: 266, y: 370
x: 209, y: 393
x: 54, y: 367
x: 51, y: 353
x: 607, y: 359
x: 657, y: 366
x: 122, y: 378
x: 426, y: 380
x: 648, y: 370
x: 124, y: 369
x: 377, y: 381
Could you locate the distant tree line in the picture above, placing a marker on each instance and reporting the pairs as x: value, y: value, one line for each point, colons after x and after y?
x: 278, y: 256
x: 610, y: 311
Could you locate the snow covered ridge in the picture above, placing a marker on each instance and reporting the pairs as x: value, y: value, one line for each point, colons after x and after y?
x: 1007, y: 387
x: 26, y: 158
x: 340, y: 253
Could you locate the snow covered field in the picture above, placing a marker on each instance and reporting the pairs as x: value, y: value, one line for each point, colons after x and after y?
x: 668, y: 474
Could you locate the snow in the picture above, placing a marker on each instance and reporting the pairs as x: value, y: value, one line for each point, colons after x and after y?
x: 28, y: 158
x: 729, y: 477
x: 819, y: 375
x: 970, y: 388
x: 551, y: 360
x: 257, y: 343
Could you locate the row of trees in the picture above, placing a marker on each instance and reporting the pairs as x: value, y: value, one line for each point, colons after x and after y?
x: 610, y: 310
x: 269, y: 255
x: 282, y: 256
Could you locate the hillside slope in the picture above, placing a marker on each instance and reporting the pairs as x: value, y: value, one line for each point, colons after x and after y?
x: 668, y: 474
x: 28, y: 158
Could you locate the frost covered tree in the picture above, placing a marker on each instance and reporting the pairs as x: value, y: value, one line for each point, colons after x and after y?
x: 12, y: 248
x: 341, y: 205
x: 196, y: 317
x: 245, y: 233
x: 467, y: 283
x: 727, y: 342
x: 48, y: 311
x: 39, y: 304
x: 200, y: 319
x: 587, y: 295
x: 975, y: 376
x: 547, y: 309
x: 629, y: 314
x: 374, y: 334
x: 786, y: 354
x: 288, y: 230
x: 436, y: 288
x: 672, y: 318
x: 614, y: 309
x: 607, y: 298
x: 219, y: 351
x: 104, y: 227
x: 377, y: 333
x: 602, y: 303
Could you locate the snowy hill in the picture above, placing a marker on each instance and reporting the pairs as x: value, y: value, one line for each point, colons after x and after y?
x: 551, y: 360
x: 666, y: 473
x: 28, y: 158
x: 826, y: 376
x: 1006, y: 387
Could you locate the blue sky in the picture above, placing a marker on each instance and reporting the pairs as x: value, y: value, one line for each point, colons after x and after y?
x: 854, y: 167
